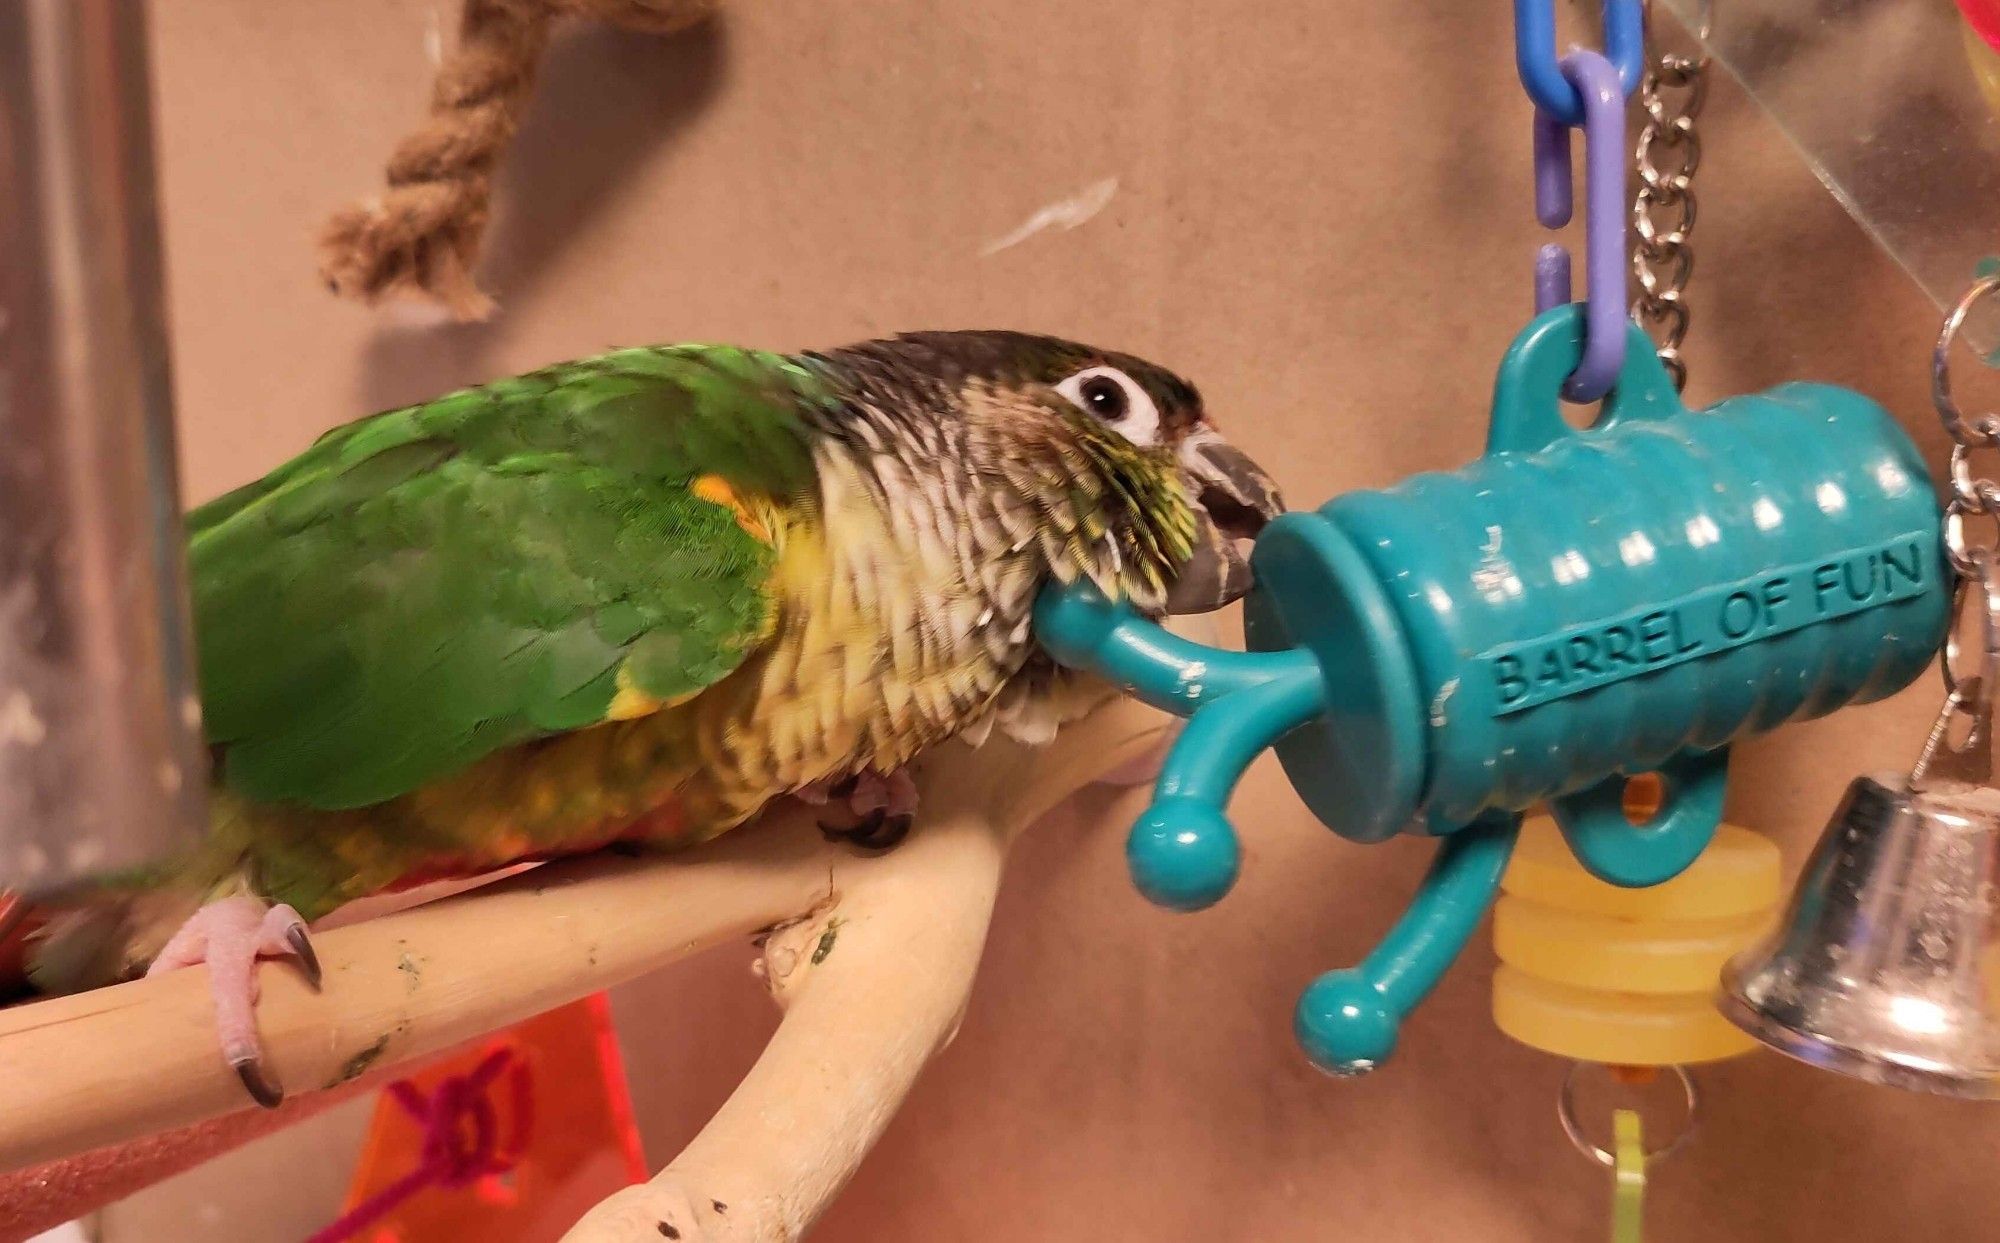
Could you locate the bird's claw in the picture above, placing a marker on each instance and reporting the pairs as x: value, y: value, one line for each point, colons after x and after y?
x: 302, y: 949
x: 262, y: 1088
x: 230, y: 936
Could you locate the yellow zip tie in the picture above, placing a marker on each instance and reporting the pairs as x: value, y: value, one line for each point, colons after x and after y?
x: 1628, y: 1178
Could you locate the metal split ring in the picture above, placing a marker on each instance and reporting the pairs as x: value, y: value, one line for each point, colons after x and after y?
x: 1966, y: 558
x: 1566, y: 1114
x: 1950, y: 651
x: 1985, y: 432
x: 1975, y: 494
x: 1970, y: 693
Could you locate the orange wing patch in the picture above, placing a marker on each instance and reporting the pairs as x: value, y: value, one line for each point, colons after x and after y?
x: 630, y: 704
x: 716, y: 491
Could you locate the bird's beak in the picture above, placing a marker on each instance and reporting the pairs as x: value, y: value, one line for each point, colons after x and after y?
x: 1234, y: 498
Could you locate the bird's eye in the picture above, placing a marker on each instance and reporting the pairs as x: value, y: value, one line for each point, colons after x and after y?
x: 1103, y: 398
x: 1109, y: 394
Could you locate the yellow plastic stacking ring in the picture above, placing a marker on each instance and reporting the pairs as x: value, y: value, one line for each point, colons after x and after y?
x: 1626, y: 977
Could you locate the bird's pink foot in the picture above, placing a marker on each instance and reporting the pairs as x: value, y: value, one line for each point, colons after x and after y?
x: 883, y: 807
x: 230, y: 935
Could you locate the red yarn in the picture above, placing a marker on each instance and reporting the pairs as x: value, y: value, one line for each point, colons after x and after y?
x: 461, y: 1138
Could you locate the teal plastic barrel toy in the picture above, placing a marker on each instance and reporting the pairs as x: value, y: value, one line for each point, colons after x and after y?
x: 1574, y: 607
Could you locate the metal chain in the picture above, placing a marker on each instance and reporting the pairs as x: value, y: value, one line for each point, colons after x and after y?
x: 1969, y: 692
x: 1663, y: 210
x: 1973, y: 494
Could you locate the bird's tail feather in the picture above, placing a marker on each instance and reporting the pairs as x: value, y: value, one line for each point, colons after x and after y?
x: 111, y: 938
x: 80, y: 948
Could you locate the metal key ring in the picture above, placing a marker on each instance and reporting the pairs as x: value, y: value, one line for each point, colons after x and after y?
x: 1566, y: 1114
x: 1975, y: 495
x: 1986, y: 431
x: 1966, y: 559
x: 1987, y: 568
x: 1950, y: 651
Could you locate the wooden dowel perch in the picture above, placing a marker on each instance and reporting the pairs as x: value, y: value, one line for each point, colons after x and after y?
x: 874, y: 984
x: 872, y: 956
x: 422, y: 235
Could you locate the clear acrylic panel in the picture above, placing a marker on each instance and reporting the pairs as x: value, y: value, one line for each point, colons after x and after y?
x: 1895, y: 105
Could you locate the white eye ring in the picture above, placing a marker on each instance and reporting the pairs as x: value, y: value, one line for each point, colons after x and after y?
x: 1140, y: 420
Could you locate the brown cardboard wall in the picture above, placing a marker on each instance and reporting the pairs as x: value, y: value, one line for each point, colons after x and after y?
x: 1321, y: 214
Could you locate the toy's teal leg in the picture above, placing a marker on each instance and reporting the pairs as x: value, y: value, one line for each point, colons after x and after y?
x: 1182, y: 852
x: 1615, y: 850
x: 1348, y: 1019
x: 1082, y: 629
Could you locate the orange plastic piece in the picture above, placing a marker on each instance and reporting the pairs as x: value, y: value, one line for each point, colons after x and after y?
x: 1982, y: 19
x: 573, y: 1145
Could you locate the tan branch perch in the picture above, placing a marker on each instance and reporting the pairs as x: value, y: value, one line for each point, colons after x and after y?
x: 122, y: 1063
x: 422, y: 235
x: 874, y: 985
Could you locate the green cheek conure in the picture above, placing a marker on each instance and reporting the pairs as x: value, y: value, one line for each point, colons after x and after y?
x: 634, y: 598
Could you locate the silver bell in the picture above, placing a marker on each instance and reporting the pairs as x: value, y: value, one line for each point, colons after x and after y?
x: 1883, y: 967
x: 1886, y: 966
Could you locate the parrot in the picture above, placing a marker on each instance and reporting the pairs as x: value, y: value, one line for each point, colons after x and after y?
x: 627, y: 601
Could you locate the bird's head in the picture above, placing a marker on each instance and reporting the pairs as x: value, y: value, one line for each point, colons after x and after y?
x: 1109, y: 461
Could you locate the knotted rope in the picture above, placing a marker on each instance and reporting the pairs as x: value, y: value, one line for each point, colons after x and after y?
x: 422, y: 235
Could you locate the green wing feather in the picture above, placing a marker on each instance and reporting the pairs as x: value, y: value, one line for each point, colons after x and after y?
x: 427, y: 586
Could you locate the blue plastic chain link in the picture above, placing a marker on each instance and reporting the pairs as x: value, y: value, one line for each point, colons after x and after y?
x: 1535, y: 54
x: 1584, y: 90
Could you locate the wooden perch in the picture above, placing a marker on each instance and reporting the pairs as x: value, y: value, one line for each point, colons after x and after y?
x: 874, y: 983
x: 873, y: 957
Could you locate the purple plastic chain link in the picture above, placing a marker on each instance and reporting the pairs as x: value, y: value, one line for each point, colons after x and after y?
x: 1604, y: 219
x: 1555, y: 198
x: 1551, y: 277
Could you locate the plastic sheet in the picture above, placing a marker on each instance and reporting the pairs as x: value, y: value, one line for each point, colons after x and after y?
x: 1887, y: 101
